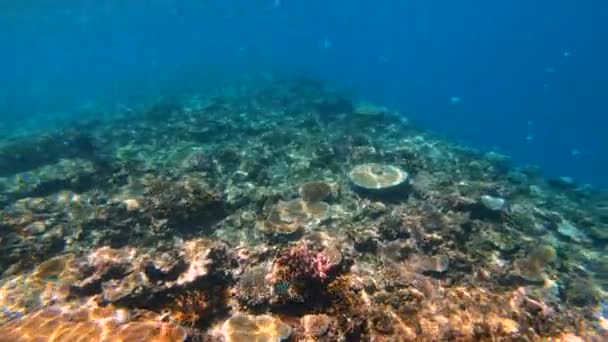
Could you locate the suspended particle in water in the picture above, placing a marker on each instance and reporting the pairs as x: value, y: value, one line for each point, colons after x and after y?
x: 383, y: 59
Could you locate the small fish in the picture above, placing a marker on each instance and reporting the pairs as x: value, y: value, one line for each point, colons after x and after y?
x: 567, y: 54
x: 575, y: 152
x: 28, y: 231
x: 276, y: 3
x: 9, y: 313
x: 20, y: 180
x: 529, y: 138
x: 326, y: 43
x: 383, y: 59
x: 455, y: 99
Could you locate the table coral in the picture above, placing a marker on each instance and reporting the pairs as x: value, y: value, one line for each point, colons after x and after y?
x: 264, y: 328
x: 377, y: 176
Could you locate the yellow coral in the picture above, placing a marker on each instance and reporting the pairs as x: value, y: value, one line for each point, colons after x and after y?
x: 248, y: 328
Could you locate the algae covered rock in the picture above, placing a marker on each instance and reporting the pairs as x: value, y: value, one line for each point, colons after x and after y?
x: 76, y: 174
x: 493, y: 203
x: 568, y: 230
x: 49, y: 283
x: 92, y: 323
x: 377, y: 177
x: 317, y: 326
x: 315, y: 191
x: 293, y: 216
x: 28, y: 153
x: 534, y: 264
x: 369, y: 109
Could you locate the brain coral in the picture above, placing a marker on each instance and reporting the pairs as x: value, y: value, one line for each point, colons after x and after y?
x: 374, y: 176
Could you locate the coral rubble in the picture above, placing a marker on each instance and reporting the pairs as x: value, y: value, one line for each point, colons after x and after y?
x: 283, y: 211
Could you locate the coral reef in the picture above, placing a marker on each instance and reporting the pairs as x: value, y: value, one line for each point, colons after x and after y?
x: 283, y: 211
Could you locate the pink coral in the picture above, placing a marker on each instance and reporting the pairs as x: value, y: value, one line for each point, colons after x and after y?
x: 301, y: 263
x: 321, y: 265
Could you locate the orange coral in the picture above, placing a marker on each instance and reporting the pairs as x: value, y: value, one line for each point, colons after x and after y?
x: 91, y: 324
x: 49, y: 283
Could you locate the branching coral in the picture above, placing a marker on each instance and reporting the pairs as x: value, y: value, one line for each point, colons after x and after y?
x: 253, y: 289
x: 300, y: 263
x: 298, y: 273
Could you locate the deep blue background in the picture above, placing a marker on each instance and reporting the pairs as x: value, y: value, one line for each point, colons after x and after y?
x: 521, y: 68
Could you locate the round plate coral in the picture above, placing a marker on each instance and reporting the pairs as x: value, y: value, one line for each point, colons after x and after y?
x: 375, y: 176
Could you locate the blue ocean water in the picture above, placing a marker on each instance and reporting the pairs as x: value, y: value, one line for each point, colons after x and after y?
x: 525, y: 78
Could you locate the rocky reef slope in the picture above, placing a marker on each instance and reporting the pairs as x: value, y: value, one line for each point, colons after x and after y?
x: 288, y: 212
